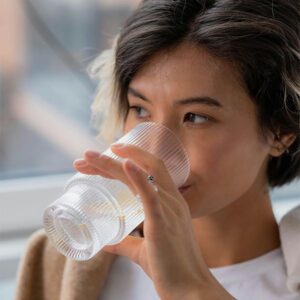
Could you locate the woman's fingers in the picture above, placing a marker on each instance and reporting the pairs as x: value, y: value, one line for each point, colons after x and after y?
x: 147, y: 193
x: 131, y: 175
x: 82, y: 166
x: 103, y: 165
x: 129, y: 247
x: 112, y: 168
x: 157, y: 203
x: 147, y: 161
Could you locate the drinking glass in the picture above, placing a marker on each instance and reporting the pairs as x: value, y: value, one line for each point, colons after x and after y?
x: 95, y: 211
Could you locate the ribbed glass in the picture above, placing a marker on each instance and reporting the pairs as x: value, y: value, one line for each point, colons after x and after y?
x: 95, y: 211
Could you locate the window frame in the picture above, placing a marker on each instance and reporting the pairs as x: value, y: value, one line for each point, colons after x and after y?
x: 23, y: 201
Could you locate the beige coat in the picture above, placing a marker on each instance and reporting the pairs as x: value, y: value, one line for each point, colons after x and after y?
x: 45, y: 274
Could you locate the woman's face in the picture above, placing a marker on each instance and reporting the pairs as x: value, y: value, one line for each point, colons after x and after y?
x: 218, y: 129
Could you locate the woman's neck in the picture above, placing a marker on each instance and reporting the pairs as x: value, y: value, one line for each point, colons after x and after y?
x: 242, y: 231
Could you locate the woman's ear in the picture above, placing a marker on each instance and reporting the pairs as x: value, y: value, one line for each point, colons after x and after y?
x: 281, y: 143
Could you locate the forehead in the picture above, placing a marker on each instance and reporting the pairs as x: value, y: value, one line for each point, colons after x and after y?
x: 180, y: 58
x: 188, y: 70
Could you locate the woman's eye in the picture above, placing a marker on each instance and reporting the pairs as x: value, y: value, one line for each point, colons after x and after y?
x: 189, y: 117
x: 137, y: 110
x: 195, y: 118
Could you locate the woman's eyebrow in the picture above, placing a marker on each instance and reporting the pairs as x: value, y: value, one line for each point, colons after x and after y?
x: 191, y: 100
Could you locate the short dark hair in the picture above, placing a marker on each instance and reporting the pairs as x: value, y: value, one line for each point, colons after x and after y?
x: 261, y: 37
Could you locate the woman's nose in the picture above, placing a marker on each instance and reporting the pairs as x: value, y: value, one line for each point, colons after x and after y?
x: 173, y: 126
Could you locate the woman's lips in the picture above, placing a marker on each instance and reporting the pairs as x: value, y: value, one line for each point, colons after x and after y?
x: 183, y: 189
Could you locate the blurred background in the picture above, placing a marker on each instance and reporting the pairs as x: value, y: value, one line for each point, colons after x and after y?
x: 45, y: 98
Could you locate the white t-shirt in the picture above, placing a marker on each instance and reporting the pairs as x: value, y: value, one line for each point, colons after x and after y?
x: 261, y: 278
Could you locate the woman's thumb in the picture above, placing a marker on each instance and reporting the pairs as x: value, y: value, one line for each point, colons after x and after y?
x: 129, y: 247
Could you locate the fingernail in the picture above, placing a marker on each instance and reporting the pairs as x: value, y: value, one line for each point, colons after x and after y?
x: 92, y: 154
x: 118, y: 145
x: 80, y: 162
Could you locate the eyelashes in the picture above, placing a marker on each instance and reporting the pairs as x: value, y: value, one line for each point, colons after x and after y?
x: 136, y: 108
x: 194, y: 116
x: 189, y: 117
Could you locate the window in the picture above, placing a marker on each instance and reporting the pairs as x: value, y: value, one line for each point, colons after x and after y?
x: 45, y: 93
x: 45, y: 98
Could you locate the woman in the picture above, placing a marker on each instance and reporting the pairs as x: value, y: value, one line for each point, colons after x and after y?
x: 224, y: 76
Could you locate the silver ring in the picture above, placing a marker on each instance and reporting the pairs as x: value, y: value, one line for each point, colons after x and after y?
x: 151, y: 180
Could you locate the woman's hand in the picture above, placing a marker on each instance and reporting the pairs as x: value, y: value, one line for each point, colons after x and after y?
x: 168, y: 253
